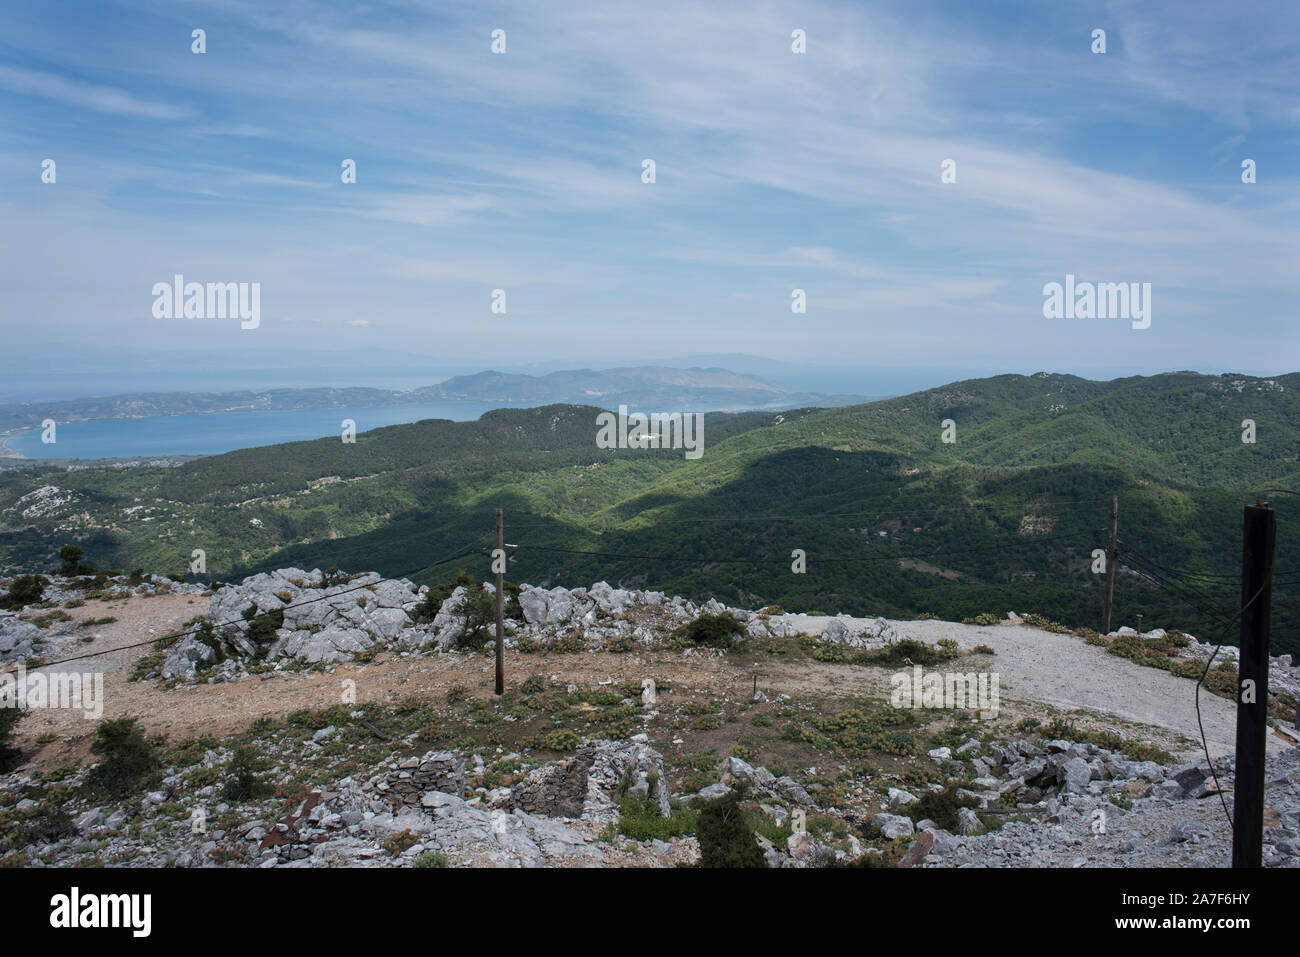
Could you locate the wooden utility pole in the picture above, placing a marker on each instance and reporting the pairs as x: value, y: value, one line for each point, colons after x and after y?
x: 500, y: 561
x: 1110, y: 565
x: 1259, y: 539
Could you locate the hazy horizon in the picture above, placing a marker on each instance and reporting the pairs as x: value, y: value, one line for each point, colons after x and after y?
x: 99, y: 373
x: 775, y: 171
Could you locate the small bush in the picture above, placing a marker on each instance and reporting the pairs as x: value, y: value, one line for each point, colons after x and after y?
x: 263, y: 629
x: 940, y: 807
x: 9, y: 755
x: 242, y: 780
x: 726, y: 835
x: 24, y: 590
x: 713, y: 631
x: 910, y: 651
x: 72, y: 556
x: 430, y: 859
x: 1222, y: 680
x: 53, y: 824
x: 147, y: 666
x: 558, y: 739
x: 128, y: 758
x: 402, y: 841
x: 1046, y: 624
x: 639, y: 819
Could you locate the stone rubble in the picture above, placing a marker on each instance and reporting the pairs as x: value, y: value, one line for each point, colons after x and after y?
x: 408, y: 807
x: 1121, y: 813
x: 327, y: 624
x: 21, y: 639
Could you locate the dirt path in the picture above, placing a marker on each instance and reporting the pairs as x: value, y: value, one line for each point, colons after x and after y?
x: 226, y: 709
x: 1033, y: 666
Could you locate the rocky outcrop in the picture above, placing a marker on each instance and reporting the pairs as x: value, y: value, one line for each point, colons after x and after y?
x: 22, y: 639
x: 319, y: 623
x: 19, y: 640
x: 330, y: 623
x: 762, y: 781
x: 422, y: 801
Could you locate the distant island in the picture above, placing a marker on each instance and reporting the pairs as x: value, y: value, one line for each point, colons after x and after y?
x: 649, y: 387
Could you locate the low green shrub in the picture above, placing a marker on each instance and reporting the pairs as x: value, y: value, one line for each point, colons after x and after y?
x: 726, y: 835
x: 128, y: 759
x: 713, y: 631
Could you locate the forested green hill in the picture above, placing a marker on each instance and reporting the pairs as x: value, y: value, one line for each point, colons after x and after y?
x: 894, y: 520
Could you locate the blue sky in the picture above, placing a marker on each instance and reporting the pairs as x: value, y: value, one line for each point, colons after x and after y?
x: 775, y: 171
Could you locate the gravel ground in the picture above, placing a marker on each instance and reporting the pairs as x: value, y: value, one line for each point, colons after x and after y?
x: 1067, y: 672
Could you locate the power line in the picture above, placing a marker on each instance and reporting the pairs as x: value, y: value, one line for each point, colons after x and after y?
x: 1185, y: 592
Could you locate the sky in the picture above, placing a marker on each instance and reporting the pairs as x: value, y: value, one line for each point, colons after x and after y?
x: 774, y: 170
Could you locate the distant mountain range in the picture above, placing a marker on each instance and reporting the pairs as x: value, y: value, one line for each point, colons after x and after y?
x: 649, y: 388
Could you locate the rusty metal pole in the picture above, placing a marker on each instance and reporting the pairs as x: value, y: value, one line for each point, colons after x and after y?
x: 1259, y: 539
x: 501, y: 619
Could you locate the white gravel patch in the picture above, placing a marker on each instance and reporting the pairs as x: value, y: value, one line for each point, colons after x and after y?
x: 1067, y: 672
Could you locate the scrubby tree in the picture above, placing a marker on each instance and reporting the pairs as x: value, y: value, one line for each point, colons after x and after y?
x: 9, y: 755
x: 24, y: 590
x: 242, y: 780
x: 128, y: 758
x: 726, y: 835
x: 714, y: 631
x: 72, y: 556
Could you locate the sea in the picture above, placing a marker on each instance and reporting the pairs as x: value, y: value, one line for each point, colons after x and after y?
x: 211, y: 433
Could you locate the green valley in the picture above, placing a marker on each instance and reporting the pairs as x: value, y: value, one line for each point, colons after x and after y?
x: 893, y: 520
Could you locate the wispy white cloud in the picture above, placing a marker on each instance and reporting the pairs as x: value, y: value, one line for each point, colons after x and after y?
x: 420, y: 210
x: 823, y: 169
x: 90, y: 96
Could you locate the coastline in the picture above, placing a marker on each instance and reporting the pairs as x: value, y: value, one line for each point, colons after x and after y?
x: 5, y: 451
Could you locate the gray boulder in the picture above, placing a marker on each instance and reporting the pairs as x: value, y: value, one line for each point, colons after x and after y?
x: 892, y: 825
x: 1075, y: 775
x: 968, y: 822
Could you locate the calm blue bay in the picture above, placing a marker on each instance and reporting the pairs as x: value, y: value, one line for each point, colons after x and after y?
x: 215, y: 432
